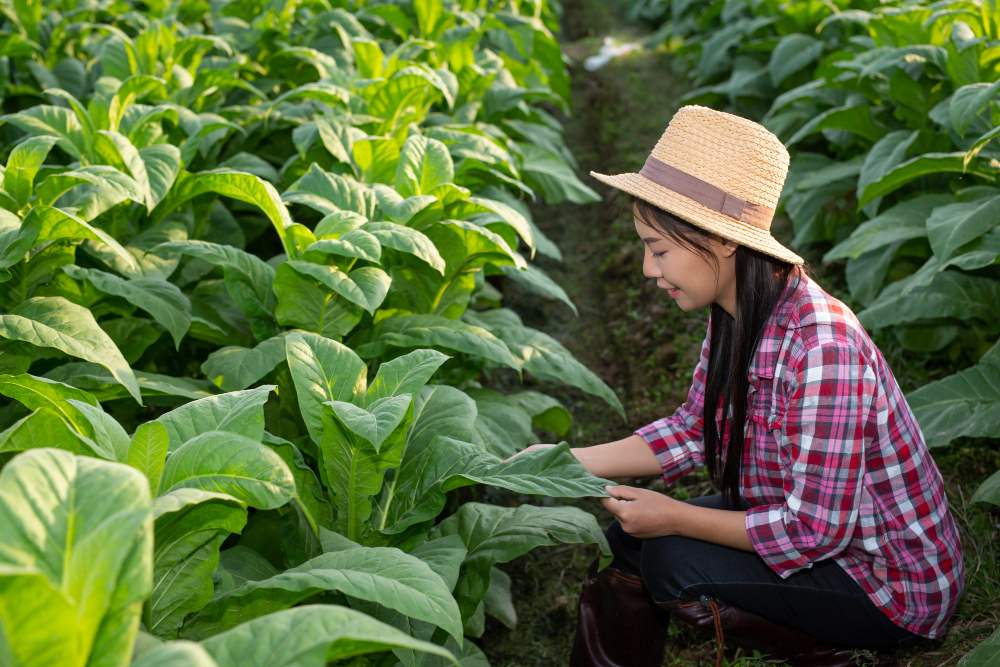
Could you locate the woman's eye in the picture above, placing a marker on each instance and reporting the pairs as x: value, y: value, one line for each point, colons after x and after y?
x: 659, y: 254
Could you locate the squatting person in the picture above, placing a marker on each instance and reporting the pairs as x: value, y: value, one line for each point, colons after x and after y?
x: 832, y: 531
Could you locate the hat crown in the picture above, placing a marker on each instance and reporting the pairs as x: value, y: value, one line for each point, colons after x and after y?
x: 732, y: 153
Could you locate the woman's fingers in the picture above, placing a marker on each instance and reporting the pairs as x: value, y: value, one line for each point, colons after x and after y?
x: 623, y: 492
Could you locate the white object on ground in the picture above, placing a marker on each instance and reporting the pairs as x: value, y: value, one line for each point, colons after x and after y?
x: 609, y: 51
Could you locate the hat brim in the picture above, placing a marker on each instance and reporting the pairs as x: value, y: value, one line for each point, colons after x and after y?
x: 700, y: 215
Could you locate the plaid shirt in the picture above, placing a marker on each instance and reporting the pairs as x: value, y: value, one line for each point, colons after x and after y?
x: 834, y: 465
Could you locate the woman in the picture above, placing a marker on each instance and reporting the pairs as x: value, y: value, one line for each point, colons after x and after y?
x: 832, y: 530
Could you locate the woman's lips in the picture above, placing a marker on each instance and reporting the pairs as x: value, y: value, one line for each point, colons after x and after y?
x: 673, y: 292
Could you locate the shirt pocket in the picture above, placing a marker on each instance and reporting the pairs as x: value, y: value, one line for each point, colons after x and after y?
x: 764, y: 416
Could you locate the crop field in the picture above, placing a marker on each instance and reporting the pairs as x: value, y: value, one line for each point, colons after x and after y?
x: 282, y: 284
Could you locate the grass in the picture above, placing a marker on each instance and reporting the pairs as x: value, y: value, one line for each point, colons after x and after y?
x: 646, y: 348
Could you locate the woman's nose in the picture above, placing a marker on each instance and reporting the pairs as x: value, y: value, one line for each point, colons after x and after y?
x: 649, y: 267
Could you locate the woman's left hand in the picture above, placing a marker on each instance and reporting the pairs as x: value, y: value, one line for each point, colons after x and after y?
x: 643, y: 513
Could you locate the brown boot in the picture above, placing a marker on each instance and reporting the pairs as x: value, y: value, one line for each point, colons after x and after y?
x: 617, y: 625
x: 750, y: 631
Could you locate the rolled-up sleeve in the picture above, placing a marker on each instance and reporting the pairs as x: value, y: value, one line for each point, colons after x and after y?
x: 823, y: 443
x: 677, y: 440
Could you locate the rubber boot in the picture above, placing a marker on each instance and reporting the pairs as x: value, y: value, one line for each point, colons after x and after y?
x: 618, y: 625
x: 750, y: 631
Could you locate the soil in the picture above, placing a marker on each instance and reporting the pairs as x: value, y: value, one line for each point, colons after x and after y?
x: 645, y: 348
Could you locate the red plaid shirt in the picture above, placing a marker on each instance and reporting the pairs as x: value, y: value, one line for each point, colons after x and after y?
x: 834, y: 465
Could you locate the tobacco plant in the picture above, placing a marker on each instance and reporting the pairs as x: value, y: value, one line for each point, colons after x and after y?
x: 248, y: 282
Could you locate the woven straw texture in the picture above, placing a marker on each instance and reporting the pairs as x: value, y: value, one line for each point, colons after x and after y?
x: 732, y: 153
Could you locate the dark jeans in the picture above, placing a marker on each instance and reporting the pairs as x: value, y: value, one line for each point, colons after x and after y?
x: 823, y: 601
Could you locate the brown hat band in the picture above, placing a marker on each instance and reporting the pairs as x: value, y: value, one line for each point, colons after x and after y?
x: 706, y: 194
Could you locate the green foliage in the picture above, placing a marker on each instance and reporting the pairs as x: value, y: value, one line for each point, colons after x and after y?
x: 238, y: 250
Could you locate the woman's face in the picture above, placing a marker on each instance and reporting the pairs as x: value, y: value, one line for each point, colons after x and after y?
x: 690, y: 279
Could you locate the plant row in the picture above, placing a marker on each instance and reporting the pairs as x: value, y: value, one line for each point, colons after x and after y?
x: 249, y: 264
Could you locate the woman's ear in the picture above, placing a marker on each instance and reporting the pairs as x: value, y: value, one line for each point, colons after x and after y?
x: 728, y: 248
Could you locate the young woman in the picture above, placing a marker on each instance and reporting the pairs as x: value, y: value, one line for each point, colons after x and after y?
x: 832, y: 531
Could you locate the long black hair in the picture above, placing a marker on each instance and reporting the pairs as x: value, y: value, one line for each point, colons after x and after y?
x: 760, y: 285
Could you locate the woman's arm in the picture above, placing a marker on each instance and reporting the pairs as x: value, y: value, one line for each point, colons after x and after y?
x: 629, y: 457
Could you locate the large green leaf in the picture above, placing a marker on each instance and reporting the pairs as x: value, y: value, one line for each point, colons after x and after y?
x: 175, y: 654
x: 546, y: 412
x: 36, y: 392
x: 984, y: 655
x: 108, y: 433
x: 234, y: 368
x: 355, y: 243
x: 22, y: 165
x: 929, y: 163
x: 548, y: 173
x: 309, y: 497
x: 44, y: 223
x: 968, y: 101
x: 423, y: 165
x: 387, y: 576
x: 147, y: 452
x: 494, y: 534
x: 248, y: 280
x: 404, y: 375
x: 950, y: 294
x: 190, y: 527
x: 164, y: 301
x: 75, y: 561
x: 49, y: 121
x: 543, y: 356
x: 792, y: 53
x: 902, y: 222
x: 502, y: 426
x: 966, y: 404
x: 436, y: 331
x: 951, y: 227
x: 47, y: 428
x: 224, y: 462
x: 329, y: 193
x: 365, y: 287
x: 323, y: 370
x: 407, y: 240
x: 309, y: 636
x: 988, y: 491
x: 243, y: 187
x: 239, y: 412
x: 307, y: 303
x: 56, y: 322
x: 154, y: 168
x: 473, y: 205
x: 375, y: 422
x: 425, y: 475
x: 355, y: 469
x: 535, y: 280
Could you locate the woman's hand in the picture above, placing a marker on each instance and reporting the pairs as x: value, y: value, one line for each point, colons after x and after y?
x: 643, y: 513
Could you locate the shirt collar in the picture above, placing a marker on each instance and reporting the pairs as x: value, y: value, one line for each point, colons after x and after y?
x: 766, y: 358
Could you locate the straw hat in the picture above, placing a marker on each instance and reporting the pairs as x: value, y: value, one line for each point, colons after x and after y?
x: 719, y: 172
